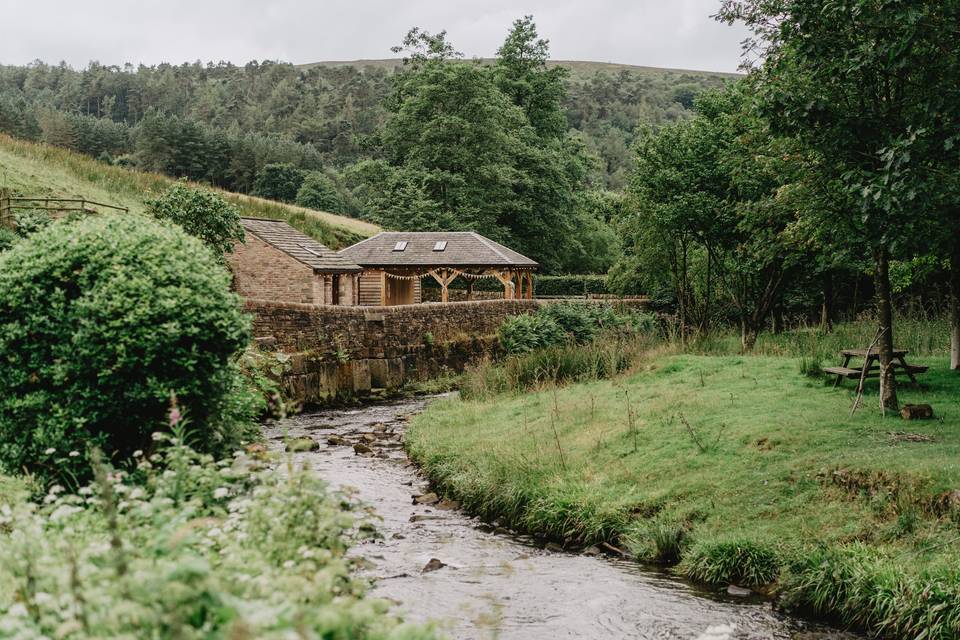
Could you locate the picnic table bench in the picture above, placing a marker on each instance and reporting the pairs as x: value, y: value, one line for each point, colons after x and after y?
x: 871, y: 358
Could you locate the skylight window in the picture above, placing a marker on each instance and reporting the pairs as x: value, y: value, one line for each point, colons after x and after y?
x: 440, y: 245
x: 400, y: 246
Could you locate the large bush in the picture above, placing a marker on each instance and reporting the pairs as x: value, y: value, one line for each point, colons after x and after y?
x: 201, y: 213
x: 563, y: 322
x: 101, y: 321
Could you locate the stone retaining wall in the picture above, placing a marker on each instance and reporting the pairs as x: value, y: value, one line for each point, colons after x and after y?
x: 342, y: 351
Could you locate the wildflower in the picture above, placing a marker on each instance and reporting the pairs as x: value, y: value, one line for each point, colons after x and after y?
x: 289, y: 564
x: 50, y: 451
x: 137, y: 453
x: 73, y: 454
x: 55, y: 489
x: 221, y: 492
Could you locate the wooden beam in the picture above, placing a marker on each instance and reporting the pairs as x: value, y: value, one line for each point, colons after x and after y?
x: 529, y: 285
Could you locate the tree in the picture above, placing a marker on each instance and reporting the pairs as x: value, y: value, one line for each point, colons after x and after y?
x: 280, y: 181
x: 862, y: 83
x: 319, y: 192
x: 201, y: 213
x: 521, y: 72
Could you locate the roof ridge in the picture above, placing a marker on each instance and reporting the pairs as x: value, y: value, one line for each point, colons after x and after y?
x: 487, y: 241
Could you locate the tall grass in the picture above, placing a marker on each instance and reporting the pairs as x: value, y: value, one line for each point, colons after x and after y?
x: 603, y: 358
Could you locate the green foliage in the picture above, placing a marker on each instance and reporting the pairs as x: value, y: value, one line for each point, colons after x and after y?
x: 189, y: 548
x: 102, y: 320
x: 319, y: 192
x: 570, y: 285
x: 562, y: 322
x: 8, y: 238
x: 30, y: 221
x: 742, y: 562
x: 559, y: 364
x: 281, y: 181
x: 528, y: 332
x: 201, y: 213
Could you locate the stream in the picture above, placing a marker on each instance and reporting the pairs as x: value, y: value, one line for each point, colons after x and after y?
x: 491, y: 583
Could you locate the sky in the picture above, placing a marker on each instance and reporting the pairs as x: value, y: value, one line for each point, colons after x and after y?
x: 658, y: 33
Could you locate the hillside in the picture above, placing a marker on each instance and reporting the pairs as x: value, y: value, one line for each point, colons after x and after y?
x: 578, y: 68
x: 32, y: 169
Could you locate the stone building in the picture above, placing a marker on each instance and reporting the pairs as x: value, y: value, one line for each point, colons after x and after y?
x: 278, y: 263
x: 395, y: 262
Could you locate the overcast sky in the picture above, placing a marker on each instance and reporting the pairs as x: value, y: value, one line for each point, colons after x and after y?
x: 660, y: 33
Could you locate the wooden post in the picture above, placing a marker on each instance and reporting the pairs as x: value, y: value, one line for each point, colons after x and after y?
x: 470, y: 289
x: 444, y: 292
x: 383, y: 288
x: 529, y: 285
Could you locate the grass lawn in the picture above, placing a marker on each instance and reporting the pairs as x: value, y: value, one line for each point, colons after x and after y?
x: 38, y: 170
x: 735, y: 468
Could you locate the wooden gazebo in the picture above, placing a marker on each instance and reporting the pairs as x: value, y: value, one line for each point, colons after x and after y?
x: 394, y: 263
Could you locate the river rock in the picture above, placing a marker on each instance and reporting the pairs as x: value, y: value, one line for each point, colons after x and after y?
x: 362, y: 449
x: 368, y: 437
x: 337, y: 441
x: 553, y: 547
x: 433, y: 565
x: 426, y: 498
x: 738, y: 591
x: 379, y: 427
x: 593, y: 551
x: 257, y: 450
x: 302, y: 444
x: 448, y: 505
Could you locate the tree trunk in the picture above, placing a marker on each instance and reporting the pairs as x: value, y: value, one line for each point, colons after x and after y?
x: 955, y: 305
x: 826, y: 311
x: 888, y: 382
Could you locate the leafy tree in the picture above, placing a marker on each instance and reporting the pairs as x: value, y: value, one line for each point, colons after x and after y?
x: 521, y: 72
x: 319, y: 192
x: 862, y: 84
x: 279, y: 181
x: 201, y: 213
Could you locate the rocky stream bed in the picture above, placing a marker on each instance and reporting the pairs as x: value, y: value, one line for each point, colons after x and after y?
x: 476, y: 580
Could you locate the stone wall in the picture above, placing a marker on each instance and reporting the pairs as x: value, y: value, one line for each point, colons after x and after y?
x: 339, y: 351
x: 345, y: 351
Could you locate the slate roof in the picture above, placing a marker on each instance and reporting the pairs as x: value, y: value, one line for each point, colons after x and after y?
x: 298, y: 246
x: 463, y: 249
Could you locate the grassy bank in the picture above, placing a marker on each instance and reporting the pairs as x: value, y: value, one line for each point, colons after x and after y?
x: 736, y: 469
x: 39, y: 170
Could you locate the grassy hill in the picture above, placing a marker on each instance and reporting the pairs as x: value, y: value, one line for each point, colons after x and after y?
x: 40, y: 170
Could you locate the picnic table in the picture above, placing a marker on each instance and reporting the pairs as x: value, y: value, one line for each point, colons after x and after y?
x: 871, y: 362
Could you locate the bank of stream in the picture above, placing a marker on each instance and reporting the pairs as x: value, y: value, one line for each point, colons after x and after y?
x: 436, y: 563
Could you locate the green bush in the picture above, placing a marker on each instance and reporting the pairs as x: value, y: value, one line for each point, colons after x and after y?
x: 8, y: 238
x: 200, y: 213
x: 31, y: 221
x: 279, y: 181
x: 527, y: 332
x: 101, y: 320
x: 319, y: 192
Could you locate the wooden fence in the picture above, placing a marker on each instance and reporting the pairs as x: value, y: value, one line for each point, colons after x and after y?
x: 10, y: 204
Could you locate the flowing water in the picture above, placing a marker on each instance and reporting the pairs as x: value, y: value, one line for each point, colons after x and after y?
x: 495, y: 584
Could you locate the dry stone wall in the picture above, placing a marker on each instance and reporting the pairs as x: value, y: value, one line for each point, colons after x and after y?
x: 342, y: 351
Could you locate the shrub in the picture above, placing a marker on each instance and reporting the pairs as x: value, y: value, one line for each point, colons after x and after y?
x: 8, y: 238
x: 279, y: 181
x: 200, y: 213
x: 31, y: 221
x: 319, y: 192
x: 524, y: 333
x: 100, y: 321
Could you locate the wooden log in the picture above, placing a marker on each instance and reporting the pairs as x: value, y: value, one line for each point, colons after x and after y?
x: 916, y: 412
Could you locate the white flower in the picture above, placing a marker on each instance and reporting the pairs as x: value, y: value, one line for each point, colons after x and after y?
x: 289, y: 564
x: 158, y: 435
x: 73, y: 454
x: 50, y: 451
x: 220, y: 492
x: 85, y: 491
x: 137, y: 453
x: 56, y: 489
